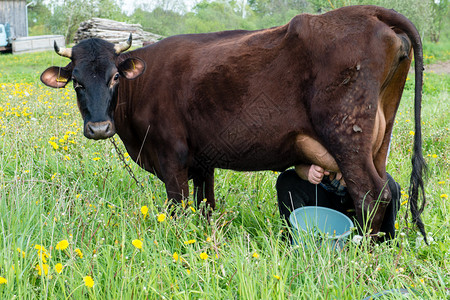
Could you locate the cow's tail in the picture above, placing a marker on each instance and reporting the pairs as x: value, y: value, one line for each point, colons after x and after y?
x: 419, y: 166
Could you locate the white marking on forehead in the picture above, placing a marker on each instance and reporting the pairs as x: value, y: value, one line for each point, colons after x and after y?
x: 356, y: 128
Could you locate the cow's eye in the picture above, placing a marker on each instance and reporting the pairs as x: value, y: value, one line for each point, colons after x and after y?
x: 116, y: 77
x: 76, y: 84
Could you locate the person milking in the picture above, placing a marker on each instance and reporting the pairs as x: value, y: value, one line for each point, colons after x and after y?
x: 307, y: 185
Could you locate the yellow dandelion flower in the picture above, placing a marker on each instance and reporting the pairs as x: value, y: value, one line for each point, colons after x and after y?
x: 208, y: 239
x: 444, y: 196
x: 58, y: 268
x: 175, y: 256
x: 189, y: 242
x: 62, y: 245
x: 434, y: 155
x: 411, y: 132
x: 255, y: 255
x: 39, y: 248
x: 137, y: 243
x: 144, y: 210
x: 21, y: 252
x: 40, y: 268
x: 404, y: 202
x: 3, y: 280
x: 79, y: 253
x: 161, y: 218
x: 396, y: 225
x: 277, y: 277
x: 96, y: 158
x: 54, y: 145
x: 188, y: 271
x: 441, y: 182
x: 88, y: 281
x: 203, y: 255
x: 42, y: 252
x: 193, y: 209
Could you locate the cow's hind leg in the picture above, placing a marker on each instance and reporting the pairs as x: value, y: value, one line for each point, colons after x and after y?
x: 369, y: 191
x: 371, y: 196
x: 346, y: 130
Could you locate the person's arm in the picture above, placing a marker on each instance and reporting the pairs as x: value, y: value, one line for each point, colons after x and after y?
x: 312, y: 173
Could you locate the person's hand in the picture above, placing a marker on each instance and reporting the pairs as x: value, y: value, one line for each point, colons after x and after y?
x: 316, y: 173
x: 312, y: 173
x: 338, y: 176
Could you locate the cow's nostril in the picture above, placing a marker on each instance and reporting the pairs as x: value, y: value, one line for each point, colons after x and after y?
x: 91, y: 130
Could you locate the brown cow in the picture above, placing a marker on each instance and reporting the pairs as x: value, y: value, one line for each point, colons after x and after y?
x: 322, y: 89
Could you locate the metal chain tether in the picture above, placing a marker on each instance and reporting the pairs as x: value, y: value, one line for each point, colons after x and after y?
x: 127, y: 167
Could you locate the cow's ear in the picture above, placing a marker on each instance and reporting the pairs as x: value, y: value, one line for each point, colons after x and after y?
x: 132, y: 68
x: 57, y: 77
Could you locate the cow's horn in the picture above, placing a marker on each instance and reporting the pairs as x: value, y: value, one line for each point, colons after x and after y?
x: 123, y: 46
x: 66, y: 52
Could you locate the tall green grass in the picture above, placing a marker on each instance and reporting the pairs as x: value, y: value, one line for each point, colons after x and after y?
x: 56, y: 185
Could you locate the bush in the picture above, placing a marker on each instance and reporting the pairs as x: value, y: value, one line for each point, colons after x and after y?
x: 421, y: 13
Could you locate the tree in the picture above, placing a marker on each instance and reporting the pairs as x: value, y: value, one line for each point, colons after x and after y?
x: 217, y: 16
x: 441, y: 12
x: 269, y: 13
x: 38, y: 16
x: 68, y: 14
x: 159, y: 21
x: 419, y: 12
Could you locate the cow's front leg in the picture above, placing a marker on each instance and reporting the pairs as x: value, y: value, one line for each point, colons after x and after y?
x: 174, y: 172
x: 177, y: 186
x: 204, y: 188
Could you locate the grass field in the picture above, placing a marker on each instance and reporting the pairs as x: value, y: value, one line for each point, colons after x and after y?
x: 73, y: 224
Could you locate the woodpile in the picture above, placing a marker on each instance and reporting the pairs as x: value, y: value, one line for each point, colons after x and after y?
x: 114, y: 32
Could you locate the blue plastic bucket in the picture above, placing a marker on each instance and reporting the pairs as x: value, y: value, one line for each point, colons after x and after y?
x: 320, y: 224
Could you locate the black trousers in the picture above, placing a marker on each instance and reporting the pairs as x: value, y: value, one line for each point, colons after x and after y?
x: 294, y: 192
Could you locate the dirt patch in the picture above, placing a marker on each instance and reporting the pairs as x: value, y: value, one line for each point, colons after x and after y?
x: 438, y: 68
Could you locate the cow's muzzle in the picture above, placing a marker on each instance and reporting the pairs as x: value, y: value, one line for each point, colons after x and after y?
x: 99, y: 130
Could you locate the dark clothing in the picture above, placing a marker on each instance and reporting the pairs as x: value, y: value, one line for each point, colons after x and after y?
x: 294, y: 192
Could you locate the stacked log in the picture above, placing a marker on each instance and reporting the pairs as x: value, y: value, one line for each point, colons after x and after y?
x: 114, y: 32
